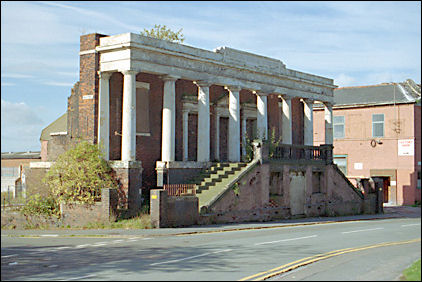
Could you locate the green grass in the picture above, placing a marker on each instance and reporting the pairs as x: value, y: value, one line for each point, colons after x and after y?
x: 142, y: 221
x: 413, y: 272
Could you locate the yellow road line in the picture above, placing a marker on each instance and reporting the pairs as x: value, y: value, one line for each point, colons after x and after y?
x: 304, y: 261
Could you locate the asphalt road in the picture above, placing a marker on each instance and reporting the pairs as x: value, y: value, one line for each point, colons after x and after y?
x: 375, y: 250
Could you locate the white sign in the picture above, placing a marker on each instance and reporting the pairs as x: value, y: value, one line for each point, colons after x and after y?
x: 358, y: 165
x: 406, y: 147
x: 393, y: 183
x: 87, y: 97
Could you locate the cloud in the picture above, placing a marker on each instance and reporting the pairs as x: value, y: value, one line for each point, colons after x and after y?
x: 54, y: 83
x: 344, y: 80
x: 7, y: 84
x: 20, y: 126
x: 15, y: 75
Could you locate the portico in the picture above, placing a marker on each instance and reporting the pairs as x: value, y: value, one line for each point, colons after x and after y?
x: 223, y: 92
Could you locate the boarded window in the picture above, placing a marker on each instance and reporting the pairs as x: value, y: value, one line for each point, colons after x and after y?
x: 316, y: 182
x: 142, y: 108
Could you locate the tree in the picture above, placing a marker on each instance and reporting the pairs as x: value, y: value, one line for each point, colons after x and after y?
x: 162, y: 32
x: 79, y: 174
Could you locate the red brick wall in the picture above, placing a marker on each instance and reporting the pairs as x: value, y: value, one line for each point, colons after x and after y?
x: 88, y: 77
x: 297, y: 121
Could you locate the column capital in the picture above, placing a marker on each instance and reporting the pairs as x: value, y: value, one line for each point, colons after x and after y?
x: 129, y: 72
x: 308, y: 100
x: 104, y: 75
x: 186, y: 111
x: 328, y: 104
x: 233, y: 88
x: 169, y: 77
x: 262, y: 92
x: 285, y: 97
x: 202, y: 83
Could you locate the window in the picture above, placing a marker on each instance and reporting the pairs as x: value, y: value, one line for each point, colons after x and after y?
x: 418, y: 184
x: 378, y: 125
x: 142, y: 108
x: 338, y: 125
x: 341, y: 162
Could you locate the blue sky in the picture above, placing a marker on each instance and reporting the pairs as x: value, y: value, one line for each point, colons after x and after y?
x: 355, y: 43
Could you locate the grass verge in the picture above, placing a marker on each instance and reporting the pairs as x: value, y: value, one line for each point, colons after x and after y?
x: 413, y: 272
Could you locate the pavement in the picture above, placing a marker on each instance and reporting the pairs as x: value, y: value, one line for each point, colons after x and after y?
x: 389, y: 212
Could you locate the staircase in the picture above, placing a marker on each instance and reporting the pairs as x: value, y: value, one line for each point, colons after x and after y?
x: 212, y: 182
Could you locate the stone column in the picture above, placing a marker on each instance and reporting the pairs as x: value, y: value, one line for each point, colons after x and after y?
x: 261, y: 118
x: 234, y: 124
x: 244, y: 133
x: 287, y: 120
x: 203, y: 153
x: 217, y: 136
x: 169, y: 119
x: 328, y: 113
x: 129, y: 116
x: 104, y: 113
x: 185, y: 135
x: 308, y: 123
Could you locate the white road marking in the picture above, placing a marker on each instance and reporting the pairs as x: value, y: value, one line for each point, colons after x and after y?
x: 62, y: 248
x: 8, y: 256
x: 82, y: 246
x: 117, y: 241
x: 362, y: 230
x: 99, y: 244
x: 284, y: 240
x: 80, y: 277
x: 406, y: 225
x: 147, y: 239
x: 50, y: 235
x: 177, y: 260
x: 13, y: 263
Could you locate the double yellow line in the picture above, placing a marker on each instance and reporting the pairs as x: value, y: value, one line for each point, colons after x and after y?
x: 301, y: 262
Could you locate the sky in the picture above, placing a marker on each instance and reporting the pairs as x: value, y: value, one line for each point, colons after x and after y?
x: 354, y: 43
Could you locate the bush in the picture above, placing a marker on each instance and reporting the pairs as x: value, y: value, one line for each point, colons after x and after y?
x: 79, y: 174
x: 42, y: 206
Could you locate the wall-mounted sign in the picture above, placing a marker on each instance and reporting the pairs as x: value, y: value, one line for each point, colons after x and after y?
x: 393, y: 183
x: 406, y: 147
x: 87, y: 97
x: 358, y: 165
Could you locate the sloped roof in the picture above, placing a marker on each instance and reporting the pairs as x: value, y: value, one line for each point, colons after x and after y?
x: 21, y: 155
x: 385, y: 93
x: 59, y: 125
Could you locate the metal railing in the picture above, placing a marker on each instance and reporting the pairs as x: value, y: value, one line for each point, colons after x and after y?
x: 180, y: 189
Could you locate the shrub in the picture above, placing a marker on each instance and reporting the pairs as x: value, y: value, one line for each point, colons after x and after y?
x: 42, y: 206
x: 79, y: 174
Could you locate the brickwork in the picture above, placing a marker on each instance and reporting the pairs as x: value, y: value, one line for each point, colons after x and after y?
x: 88, y: 78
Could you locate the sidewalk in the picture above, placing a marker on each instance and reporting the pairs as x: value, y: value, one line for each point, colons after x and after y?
x: 389, y: 212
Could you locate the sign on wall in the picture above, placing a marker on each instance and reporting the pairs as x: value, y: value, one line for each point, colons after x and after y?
x: 358, y: 166
x: 406, y: 147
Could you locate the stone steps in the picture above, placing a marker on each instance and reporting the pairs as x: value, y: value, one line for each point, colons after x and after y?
x: 215, y: 180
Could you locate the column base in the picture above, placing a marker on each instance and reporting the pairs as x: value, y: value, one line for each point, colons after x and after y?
x: 129, y: 175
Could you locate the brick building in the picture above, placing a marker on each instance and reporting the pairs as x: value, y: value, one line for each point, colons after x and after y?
x: 164, y: 111
x: 377, y: 133
x: 13, y: 165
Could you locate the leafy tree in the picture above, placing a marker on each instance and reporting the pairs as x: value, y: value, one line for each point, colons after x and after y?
x: 79, y: 174
x: 162, y: 32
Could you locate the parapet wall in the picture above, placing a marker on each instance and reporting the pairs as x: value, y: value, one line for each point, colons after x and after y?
x: 271, y: 192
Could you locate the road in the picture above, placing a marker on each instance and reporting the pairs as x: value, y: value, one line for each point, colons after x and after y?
x: 377, y: 249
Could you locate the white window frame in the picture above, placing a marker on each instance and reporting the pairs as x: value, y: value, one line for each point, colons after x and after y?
x: 378, y: 122
x: 339, y: 123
